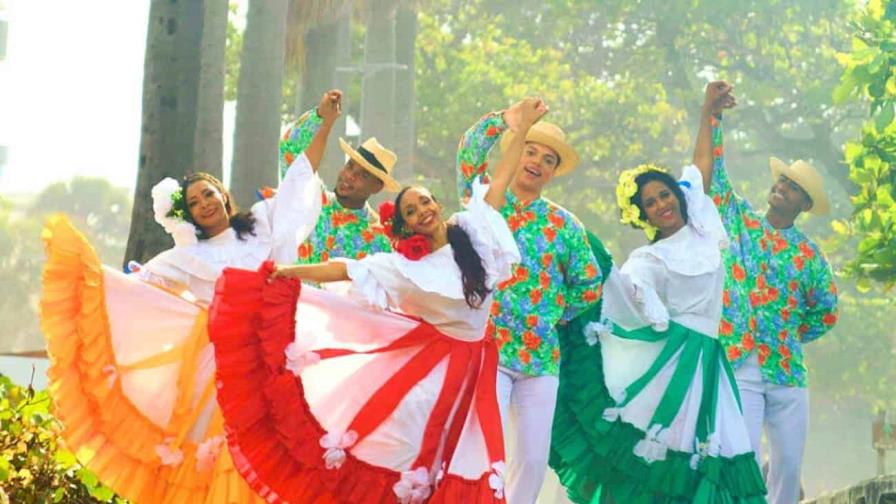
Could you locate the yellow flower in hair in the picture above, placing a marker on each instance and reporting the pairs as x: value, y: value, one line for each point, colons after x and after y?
x: 626, y: 189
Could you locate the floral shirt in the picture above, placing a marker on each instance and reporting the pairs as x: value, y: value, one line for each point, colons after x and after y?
x: 558, y: 277
x: 340, y: 231
x: 779, y: 290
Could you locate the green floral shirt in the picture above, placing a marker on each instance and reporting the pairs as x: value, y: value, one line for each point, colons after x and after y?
x: 779, y: 290
x: 558, y: 278
x: 340, y: 231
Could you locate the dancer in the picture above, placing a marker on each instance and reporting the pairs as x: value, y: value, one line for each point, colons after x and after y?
x: 779, y: 294
x: 347, y: 226
x: 325, y: 399
x: 557, y: 279
x: 131, y: 372
x: 657, y: 418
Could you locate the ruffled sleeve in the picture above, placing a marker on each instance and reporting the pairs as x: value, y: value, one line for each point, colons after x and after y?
x: 703, y: 216
x: 630, y: 295
x: 182, y: 269
x: 289, y: 217
x: 490, y: 236
x: 374, y: 280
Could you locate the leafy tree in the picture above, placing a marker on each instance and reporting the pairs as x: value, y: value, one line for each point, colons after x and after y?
x: 869, y: 75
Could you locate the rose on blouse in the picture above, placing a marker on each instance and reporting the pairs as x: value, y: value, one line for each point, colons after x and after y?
x: 414, y: 248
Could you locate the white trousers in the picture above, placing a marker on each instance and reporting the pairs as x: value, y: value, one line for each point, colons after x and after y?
x: 529, y: 401
x: 784, y: 411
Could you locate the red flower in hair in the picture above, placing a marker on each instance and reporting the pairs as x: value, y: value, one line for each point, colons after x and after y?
x: 414, y: 248
x: 387, y: 212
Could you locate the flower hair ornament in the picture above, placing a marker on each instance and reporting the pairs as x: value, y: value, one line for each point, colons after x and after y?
x: 167, y: 208
x: 626, y: 190
x: 412, y: 246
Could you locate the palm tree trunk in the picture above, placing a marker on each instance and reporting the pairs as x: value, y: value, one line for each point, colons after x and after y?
x: 170, y: 89
x: 258, y: 99
x: 208, y: 144
x: 378, y: 81
x: 405, y: 99
x: 327, y: 48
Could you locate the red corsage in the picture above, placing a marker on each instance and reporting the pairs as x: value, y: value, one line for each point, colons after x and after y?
x: 387, y: 211
x: 414, y: 248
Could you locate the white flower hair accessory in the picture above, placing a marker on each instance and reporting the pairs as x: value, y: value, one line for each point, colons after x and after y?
x: 165, y: 196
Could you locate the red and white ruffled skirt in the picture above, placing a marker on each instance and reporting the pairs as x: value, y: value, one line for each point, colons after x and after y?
x: 328, y: 401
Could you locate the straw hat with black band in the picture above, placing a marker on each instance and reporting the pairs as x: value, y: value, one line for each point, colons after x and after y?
x: 376, y: 159
x: 807, y: 178
x: 551, y: 135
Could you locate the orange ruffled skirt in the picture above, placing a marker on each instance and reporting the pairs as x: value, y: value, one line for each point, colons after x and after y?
x: 132, y: 380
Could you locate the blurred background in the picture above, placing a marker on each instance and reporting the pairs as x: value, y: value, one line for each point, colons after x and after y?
x: 100, y: 99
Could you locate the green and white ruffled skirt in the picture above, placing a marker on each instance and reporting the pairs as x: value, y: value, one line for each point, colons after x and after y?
x: 671, y: 431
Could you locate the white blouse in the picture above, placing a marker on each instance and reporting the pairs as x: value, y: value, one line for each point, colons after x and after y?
x: 281, y: 224
x: 678, y: 278
x: 431, y: 288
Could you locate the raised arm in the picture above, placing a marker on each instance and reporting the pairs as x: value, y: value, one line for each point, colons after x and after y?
x: 300, y: 136
x: 530, y: 111
x: 472, y: 152
x: 718, y: 97
x: 329, y: 109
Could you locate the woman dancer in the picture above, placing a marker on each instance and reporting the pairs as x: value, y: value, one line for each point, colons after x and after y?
x: 328, y: 399
x: 132, y: 371
x: 657, y: 417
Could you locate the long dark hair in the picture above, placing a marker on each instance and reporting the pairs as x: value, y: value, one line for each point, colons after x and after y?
x: 668, y: 181
x: 465, y: 256
x: 241, y: 222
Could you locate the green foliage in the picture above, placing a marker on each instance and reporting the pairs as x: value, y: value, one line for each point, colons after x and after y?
x: 870, y: 74
x: 34, y: 467
x: 625, y: 80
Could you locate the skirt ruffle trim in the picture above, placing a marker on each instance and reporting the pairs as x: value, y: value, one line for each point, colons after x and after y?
x: 101, y: 426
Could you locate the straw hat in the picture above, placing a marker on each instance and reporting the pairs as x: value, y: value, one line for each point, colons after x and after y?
x: 806, y: 177
x: 551, y: 135
x: 376, y: 159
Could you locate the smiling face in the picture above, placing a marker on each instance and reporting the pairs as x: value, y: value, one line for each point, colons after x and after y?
x: 661, y: 207
x: 207, y: 207
x: 355, y: 184
x: 420, y: 212
x: 787, y: 198
x: 538, y: 163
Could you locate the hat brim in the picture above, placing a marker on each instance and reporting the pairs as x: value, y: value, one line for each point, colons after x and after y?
x: 389, y: 183
x: 821, y: 205
x: 569, y: 158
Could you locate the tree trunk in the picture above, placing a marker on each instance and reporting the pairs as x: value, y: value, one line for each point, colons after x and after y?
x: 327, y: 49
x: 378, y: 75
x: 258, y: 100
x: 405, y: 99
x: 208, y: 147
x: 170, y: 86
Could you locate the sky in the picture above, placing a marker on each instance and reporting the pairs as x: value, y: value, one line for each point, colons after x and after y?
x: 71, y: 91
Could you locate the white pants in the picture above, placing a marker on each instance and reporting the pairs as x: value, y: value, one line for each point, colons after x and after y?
x: 785, y: 413
x: 530, y: 401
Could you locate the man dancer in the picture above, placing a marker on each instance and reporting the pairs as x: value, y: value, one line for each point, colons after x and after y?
x: 347, y: 226
x: 557, y: 279
x: 779, y: 294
